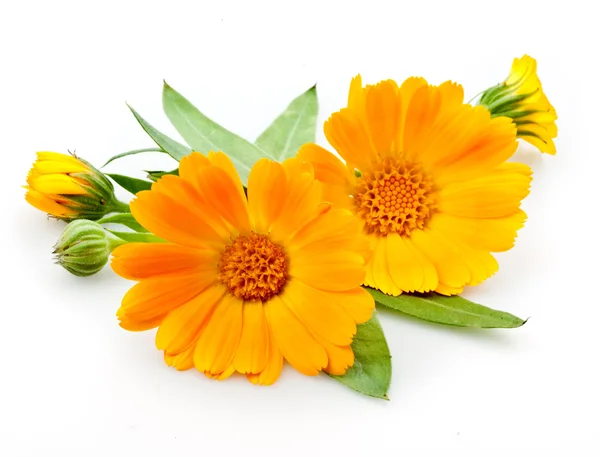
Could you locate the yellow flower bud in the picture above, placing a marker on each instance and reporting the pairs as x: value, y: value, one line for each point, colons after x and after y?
x: 84, y: 247
x: 68, y: 188
x: 521, y: 98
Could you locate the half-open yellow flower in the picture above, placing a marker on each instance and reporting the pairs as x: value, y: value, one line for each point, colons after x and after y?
x: 68, y: 188
x: 521, y: 98
x: 245, y: 282
x: 434, y: 193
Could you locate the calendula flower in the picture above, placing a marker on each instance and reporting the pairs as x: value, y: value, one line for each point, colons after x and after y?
x: 521, y: 98
x: 68, y: 188
x: 84, y: 247
x: 245, y: 282
x: 434, y: 195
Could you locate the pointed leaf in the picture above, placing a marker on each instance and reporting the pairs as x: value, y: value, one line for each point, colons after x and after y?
x: 156, y: 175
x: 371, y: 373
x: 293, y: 128
x: 130, y: 184
x: 128, y: 153
x: 204, y: 135
x: 125, y: 219
x: 170, y: 146
x: 453, y: 310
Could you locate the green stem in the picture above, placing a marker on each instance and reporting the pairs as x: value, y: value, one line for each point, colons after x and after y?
x: 119, y: 207
x: 133, y: 237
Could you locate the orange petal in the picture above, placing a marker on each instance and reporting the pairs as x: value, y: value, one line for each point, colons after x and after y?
x: 182, y: 326
x: 173, y: 220
x: 219, y: 340
x: 272, y: 369
x: 154, y: 297
x: 226, y: 196
x: 182, y: 361
x: 321, y: 317
x: 267, y: 189
x: 143, y: 260
x: 252, y: 352
x: 293, y: 339
x: 328, y: 270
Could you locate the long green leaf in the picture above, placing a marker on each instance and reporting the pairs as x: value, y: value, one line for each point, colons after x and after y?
x: 204, y: 135
x: 170, y: 146
x: 371, y: 373
x: 292, y: 128
x: 128, y: 153
x: 133, y: 185
x: 125, y: 219
x: 453, y: 310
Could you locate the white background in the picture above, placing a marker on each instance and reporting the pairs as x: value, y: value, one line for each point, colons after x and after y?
x: 73, y: 383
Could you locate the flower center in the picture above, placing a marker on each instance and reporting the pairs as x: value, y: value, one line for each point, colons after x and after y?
x: 253, y: 267
x: 394, y: 197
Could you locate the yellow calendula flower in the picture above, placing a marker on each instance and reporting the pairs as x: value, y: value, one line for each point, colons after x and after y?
x: 428, y: 178
x: 68, y: 188
x: 246, y: 282
x: 521, y: 98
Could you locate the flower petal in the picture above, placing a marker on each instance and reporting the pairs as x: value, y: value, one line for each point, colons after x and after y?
x: 144, y: 260
x: 409, y: 268
x: 219, y: 340
x: 267, y: 190
x: 272, y: 369
x: 182, y: 325
x: 328, y: 270
x: 253, y: 351
x: 293, y: 339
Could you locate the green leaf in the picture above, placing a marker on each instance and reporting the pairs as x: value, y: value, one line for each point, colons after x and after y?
x: 156, y: 175
x: 170, y: 146
x: 453, y: 310
x: 125, y: 219
x: 371, y: 373
x: 128, y: 153
x: 130, y: 184
x: 292, y: 128
x: 204, y: 135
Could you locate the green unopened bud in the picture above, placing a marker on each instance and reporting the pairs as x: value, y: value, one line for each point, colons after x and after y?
x: 84, y: 247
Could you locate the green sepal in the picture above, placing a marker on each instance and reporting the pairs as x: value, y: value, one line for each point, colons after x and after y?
x: 132, y: 185
x: 452, y: 310
x: 371, y: 373
x: 205, y: 135
x: 295, y: 126
x: 170, y: 146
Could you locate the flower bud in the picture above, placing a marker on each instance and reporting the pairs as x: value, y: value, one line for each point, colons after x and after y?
x: 521, y: 98
x: 84, y: 247
x: 69, y: 188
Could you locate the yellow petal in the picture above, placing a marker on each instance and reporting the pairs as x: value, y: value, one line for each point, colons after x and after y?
x: 46, y: 204
x: 409, y: 268
x: 328, y: 270
x: 57, y: 184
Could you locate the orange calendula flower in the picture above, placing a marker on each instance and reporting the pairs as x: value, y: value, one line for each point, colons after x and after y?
x: 521, y: 98
x: 245, y: 282
x: 68, y: 188
x: 435, y: 194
